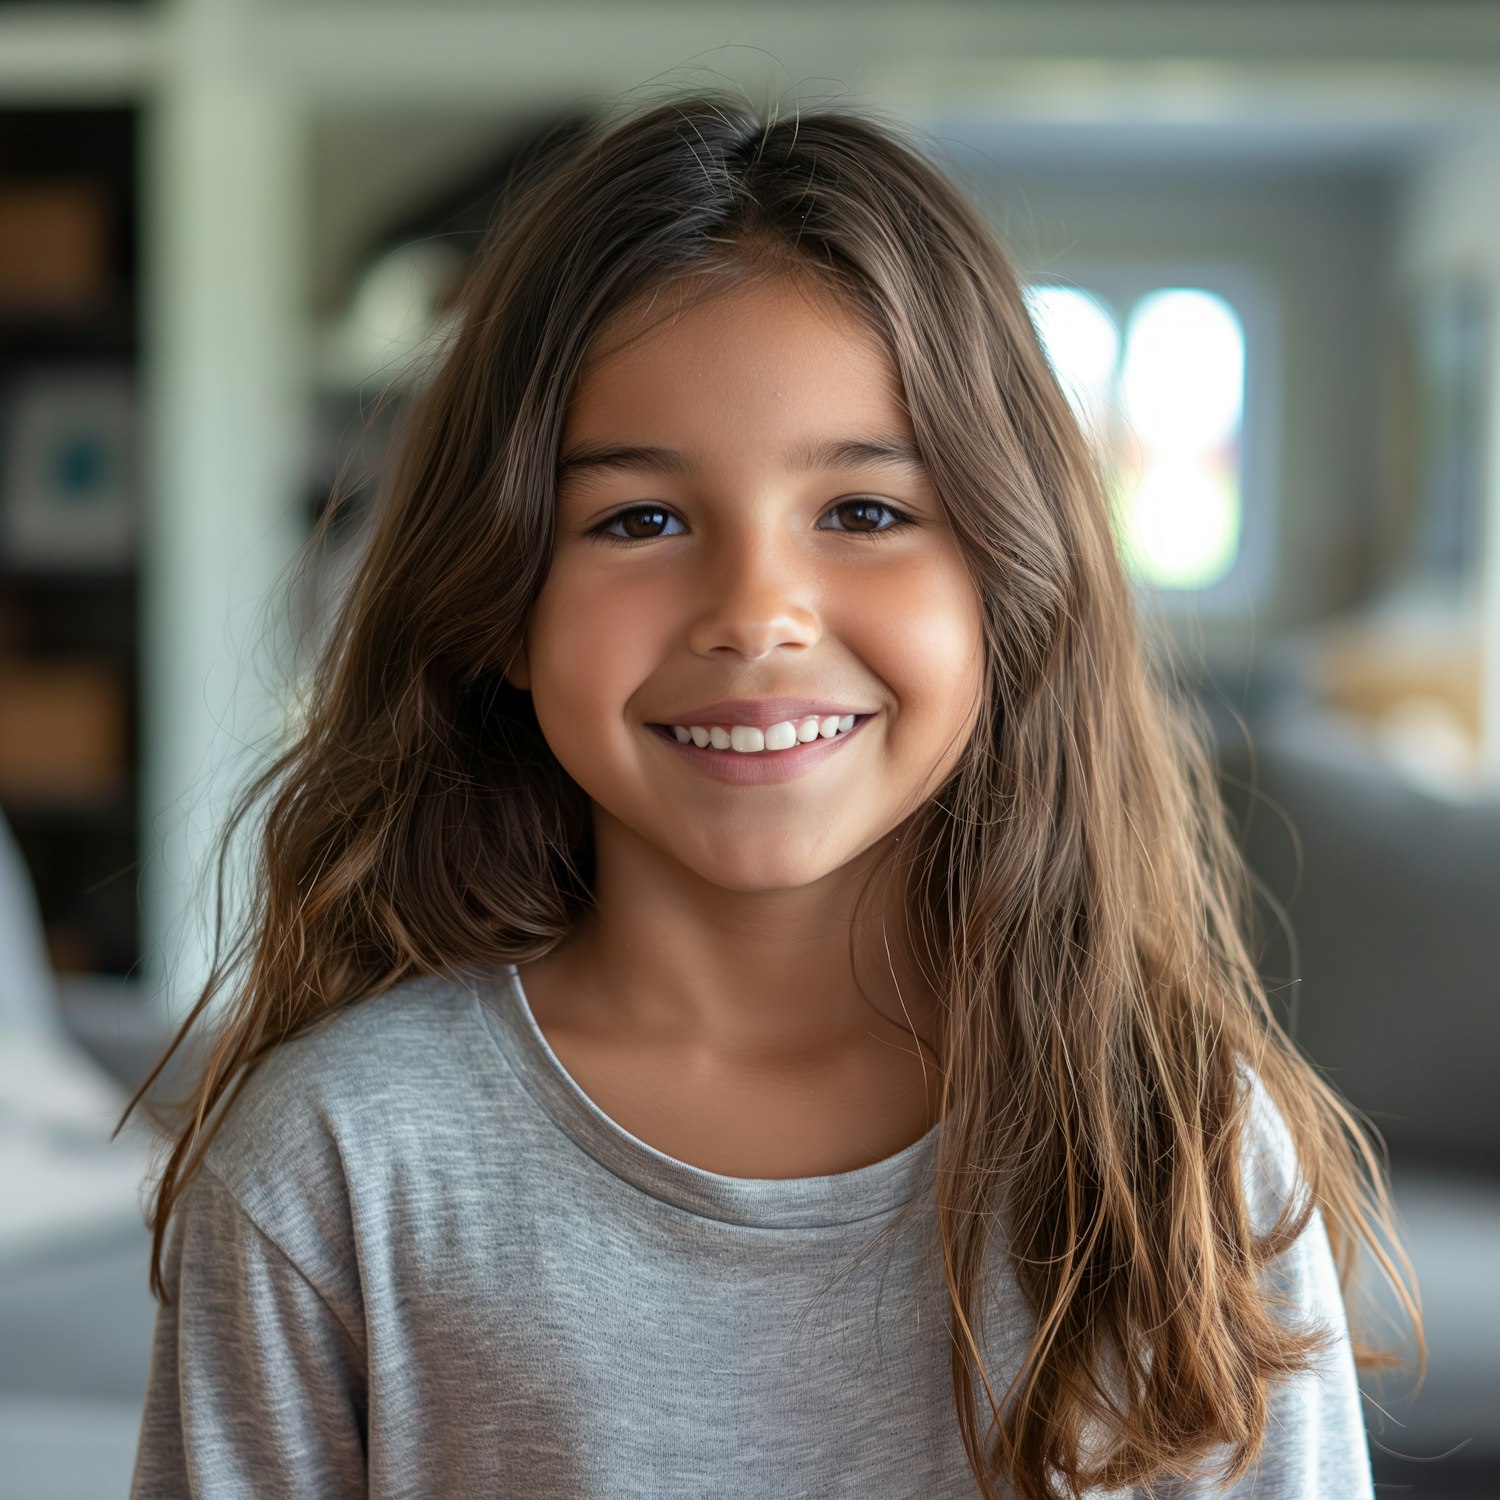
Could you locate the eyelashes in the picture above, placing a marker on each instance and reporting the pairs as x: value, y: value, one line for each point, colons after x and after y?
x: 900, y: 521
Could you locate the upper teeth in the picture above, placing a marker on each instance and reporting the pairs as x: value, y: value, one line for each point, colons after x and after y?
x: 747, y: 738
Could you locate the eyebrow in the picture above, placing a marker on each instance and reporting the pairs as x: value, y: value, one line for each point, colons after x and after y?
x: 893, y: 450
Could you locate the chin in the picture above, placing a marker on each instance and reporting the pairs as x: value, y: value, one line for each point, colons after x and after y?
x: 766, y: 872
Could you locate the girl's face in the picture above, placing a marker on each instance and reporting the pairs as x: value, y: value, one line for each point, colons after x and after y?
x: 741, y: 514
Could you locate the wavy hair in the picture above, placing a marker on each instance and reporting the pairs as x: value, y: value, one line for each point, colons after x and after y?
x: 1078, y: 900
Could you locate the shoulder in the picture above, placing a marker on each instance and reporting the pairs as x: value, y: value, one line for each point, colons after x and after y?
x: 1315, y: 1441
x: 364, y: 1058
x: 1301, y: 1273
x: 1270, y: 1170
x: 338, y: 1101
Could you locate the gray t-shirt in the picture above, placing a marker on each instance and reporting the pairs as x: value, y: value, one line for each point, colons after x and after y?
x: 420, y: 1261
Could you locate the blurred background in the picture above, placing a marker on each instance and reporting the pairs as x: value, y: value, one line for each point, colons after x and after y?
x: 1262, y: 247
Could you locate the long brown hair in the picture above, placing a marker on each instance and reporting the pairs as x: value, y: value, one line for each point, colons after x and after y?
x: 1078, y: 898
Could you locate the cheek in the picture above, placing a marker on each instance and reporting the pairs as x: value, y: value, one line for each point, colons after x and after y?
x: 930, y: 645
x: 587, y: 647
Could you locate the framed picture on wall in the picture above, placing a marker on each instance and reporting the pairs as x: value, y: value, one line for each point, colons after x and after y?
x: 68, y: 470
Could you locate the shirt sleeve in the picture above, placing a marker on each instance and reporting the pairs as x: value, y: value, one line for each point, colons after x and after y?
x: 1315, y: 1447
x: 256, y: 1387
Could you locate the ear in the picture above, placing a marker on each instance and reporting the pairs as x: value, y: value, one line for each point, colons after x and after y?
x: 518, y: 671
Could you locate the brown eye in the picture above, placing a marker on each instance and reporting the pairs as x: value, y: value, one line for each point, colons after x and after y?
x: 868, y: 511
x: 633, y: 519
x: 636, y: 516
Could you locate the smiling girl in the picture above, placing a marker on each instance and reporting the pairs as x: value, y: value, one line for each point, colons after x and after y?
x: 738, y: 829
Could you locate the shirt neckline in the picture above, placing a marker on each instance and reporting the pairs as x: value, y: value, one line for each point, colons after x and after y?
x: 765, y: 1202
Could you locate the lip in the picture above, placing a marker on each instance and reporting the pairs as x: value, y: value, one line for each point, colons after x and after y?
x: 766, y: 767
x: 761, y: 712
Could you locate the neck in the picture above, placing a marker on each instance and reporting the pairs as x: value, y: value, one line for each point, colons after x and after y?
x: 769, y: 976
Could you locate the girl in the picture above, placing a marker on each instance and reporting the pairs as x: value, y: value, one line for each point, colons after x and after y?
x: 735, y: 830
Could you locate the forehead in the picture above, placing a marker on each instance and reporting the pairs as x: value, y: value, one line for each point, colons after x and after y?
x: 714, y: 360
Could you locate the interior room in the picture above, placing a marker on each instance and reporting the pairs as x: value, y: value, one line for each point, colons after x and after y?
x: 1261, y: 246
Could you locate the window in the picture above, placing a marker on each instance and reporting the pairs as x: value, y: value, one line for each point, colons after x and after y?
x: 1156, y: 375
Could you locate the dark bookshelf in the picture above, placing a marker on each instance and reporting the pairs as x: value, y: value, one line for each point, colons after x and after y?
x: 65, y: 629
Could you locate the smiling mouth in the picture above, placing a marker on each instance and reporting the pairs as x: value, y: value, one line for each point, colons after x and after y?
x: 731, y: 750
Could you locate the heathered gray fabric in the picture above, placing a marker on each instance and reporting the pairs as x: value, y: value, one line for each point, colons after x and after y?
x: 421, y: 1262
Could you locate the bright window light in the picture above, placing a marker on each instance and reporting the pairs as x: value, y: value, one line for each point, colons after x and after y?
x: 1082, y: 342
x: 1180, y: 527
x: 1164, y: 406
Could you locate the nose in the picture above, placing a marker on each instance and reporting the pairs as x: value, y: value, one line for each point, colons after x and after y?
x: 755, y: 599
